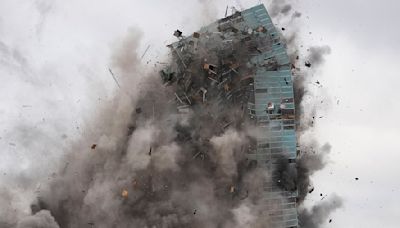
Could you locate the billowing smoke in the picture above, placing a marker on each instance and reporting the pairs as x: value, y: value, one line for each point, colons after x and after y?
x: 41, y: 219
x: 278, y: 7
x: 316, y: 55
x: 318, y: 215
x: 311, y: 160
x: 142, y: 163
x: 296, y: 14
x: 148, y: 160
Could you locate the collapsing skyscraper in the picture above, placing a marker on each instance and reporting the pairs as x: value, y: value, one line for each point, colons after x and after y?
x: 237, y: 71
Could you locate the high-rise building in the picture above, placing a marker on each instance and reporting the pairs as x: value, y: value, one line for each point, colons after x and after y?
x: 245, y: 62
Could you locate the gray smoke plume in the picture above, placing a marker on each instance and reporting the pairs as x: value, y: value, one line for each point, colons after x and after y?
x: 318, y: 215
x: 311, y: 160
x: 296, y: 14
x: 297, y: 176
x: 142, y: 163
x: 208, y: 11
x: 317, y: 55
x: 302, y: 80
x: 278, y: 7
x: 41, y: 219
x: 7, y: 216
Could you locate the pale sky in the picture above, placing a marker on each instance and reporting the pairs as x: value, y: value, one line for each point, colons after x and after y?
x: 54, y: 58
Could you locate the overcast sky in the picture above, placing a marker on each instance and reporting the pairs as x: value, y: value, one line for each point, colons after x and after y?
x: 54, y: 59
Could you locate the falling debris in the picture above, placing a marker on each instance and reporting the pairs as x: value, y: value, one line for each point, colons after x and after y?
x: 356, y: 178
x: 115, y: 79
x: 330, y: 220
x: 178, y: 33
x: 93, y: 146
x: 311, y: 190
x: 307, y: 64
x: 145, y: 51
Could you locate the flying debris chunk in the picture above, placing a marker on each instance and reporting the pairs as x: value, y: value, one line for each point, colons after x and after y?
x: 93, y: 146
x: 138, y: 110
x: 124, y: 193
x: 145, y: 51
x: 356, y: 178
x: 311, y: 190
x: 150, y: 152
x: 307, y: 64
x: 115, y: 79
x: 178, y: 33
x: 330, y: 220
